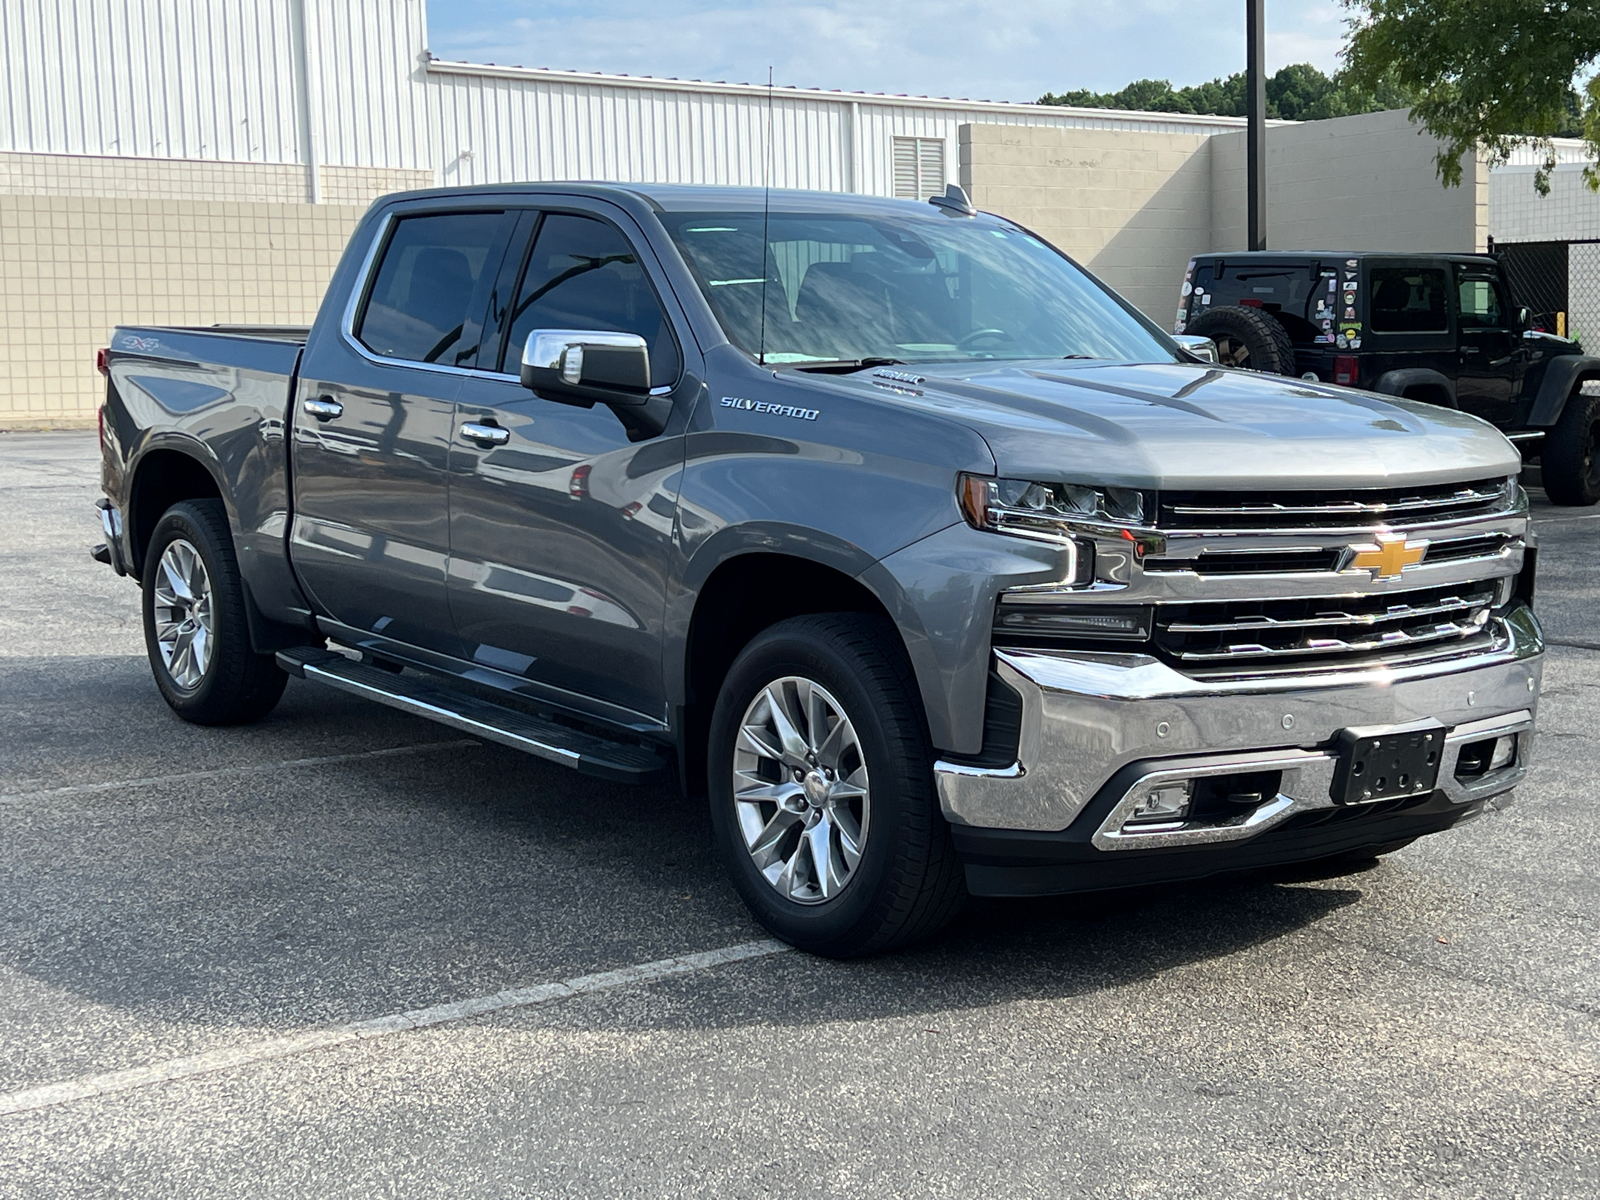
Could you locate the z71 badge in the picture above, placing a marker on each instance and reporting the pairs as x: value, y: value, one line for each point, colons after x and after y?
x: 776, y: 410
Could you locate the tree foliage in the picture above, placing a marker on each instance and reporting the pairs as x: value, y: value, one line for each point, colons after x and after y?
x: 1489, y: 75
x: 1296, y: 93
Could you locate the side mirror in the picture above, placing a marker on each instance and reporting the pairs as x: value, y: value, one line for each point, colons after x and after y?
x: 1524, y: 318
x: 585, y: 366
x: 1202, y: 348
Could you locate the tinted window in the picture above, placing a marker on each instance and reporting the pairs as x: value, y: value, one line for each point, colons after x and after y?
x: 419, y: 305
x: 1480, y: 304
x: 1407, y: 300
x: 582, y: 274
x: 914, y: 286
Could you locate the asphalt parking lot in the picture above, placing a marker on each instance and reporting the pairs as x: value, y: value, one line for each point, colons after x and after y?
x: 222, y: 909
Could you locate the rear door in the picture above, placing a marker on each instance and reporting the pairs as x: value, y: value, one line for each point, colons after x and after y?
x: 372, y: 426
x: 561, y: 527
x: 1489, y: 345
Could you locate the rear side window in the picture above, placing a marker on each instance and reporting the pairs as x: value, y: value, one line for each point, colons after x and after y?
x: 1407, y: 300
x: 419, y: 308
x: 1480, y: 304
x: 583, y: 275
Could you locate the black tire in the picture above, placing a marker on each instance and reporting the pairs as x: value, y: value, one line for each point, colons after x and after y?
x: 1247, y: 338
x: 237, y: 685
x: 1568, y: 464
x: 908, y: 882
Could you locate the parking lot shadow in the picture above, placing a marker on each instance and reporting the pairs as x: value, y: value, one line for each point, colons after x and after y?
x: 281, y: 895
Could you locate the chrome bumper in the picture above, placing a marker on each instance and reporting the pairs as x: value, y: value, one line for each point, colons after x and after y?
x: 1087, y: 716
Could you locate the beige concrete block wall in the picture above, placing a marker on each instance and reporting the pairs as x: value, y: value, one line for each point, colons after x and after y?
x: 1352, y: 183
x: 71, y: 267
x: 87, y: 243
x: 180, y: 179
x: 1130, y: 206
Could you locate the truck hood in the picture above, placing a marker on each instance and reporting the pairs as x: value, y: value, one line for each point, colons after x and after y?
x: 1194, y: 426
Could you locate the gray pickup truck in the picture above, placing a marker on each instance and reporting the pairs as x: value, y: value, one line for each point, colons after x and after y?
x: 930, y: 562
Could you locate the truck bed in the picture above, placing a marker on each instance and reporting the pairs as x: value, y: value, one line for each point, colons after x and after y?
x: 219, y: 395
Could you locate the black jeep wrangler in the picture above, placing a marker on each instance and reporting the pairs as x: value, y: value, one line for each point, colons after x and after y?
x: 1445, y: 329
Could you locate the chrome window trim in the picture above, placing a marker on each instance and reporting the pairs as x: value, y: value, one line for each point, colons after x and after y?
x: 358, y: 299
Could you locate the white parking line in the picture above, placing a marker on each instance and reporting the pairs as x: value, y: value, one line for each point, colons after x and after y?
x: 212, y: 1061
x: 83, y: 789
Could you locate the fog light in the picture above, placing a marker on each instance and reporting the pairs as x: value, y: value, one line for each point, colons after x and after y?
x: 1505, y: 752
x: 1167, y: 802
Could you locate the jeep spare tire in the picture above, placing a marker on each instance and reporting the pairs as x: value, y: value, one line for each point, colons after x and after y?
x: 1246, y: 338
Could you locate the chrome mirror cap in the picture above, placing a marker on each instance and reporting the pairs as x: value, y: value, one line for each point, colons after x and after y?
x: 1201, y: 347
x: 562, y: 350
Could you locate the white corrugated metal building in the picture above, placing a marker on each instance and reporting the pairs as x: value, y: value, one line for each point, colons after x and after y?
x: 350, y: 83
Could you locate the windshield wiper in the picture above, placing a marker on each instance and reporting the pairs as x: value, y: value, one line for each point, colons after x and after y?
x: 844, y: 366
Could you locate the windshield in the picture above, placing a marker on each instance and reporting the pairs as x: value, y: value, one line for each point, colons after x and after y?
x: 912, y: 288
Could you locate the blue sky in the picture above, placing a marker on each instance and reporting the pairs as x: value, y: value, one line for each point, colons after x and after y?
x: 982, y: 50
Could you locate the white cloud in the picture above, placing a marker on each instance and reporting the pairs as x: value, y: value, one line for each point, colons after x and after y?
x: 966, y: 48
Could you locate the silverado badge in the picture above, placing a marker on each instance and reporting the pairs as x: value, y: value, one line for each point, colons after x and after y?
x: 1392, y: 554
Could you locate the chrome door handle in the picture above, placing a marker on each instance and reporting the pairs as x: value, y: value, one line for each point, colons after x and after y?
x: 485, y: 435
x: 323, y: 409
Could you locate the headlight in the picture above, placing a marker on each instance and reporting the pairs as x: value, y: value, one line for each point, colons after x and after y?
x: 1043, y: 510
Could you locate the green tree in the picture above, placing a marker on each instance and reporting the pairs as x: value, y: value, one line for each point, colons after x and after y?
x: 1489, y: 75
x: 1296, y: 93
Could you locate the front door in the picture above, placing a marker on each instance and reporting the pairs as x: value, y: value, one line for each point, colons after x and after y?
x: 561, y: 527
x: 1489, y: 345
x: 372, y: 427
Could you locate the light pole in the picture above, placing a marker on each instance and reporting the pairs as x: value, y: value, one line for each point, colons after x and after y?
x: 1256, y: 113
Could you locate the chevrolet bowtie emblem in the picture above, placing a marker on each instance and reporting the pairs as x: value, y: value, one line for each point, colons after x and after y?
x: 1392, y: 555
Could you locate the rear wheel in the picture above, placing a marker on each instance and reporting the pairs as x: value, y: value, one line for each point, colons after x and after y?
x: 195, y: 629
x: 1568, y: 465
x: 822, y: 796
x: 1247, y: 338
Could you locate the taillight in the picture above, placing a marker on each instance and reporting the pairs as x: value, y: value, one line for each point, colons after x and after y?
x: 578, y: 485
x: 1347, y: 370
x: 102, y: 362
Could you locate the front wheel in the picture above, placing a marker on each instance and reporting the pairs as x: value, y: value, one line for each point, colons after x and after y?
x: 195, y: 629
x: 1569, y: 466
x: 822, y: 795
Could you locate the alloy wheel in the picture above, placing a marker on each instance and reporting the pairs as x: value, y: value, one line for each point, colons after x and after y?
x: 183, y: 614
x: 800, y: 790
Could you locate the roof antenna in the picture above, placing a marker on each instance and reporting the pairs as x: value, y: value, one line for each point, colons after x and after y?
x: 766, y: 217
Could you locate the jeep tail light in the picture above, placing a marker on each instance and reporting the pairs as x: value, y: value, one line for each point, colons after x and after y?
x: 1347, y: 370
x: 578, y: 485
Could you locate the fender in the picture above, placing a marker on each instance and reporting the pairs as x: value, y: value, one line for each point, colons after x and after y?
x: 1395, y: 383
x: 1562, y: 377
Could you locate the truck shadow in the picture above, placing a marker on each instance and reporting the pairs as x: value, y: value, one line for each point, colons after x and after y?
x: 279, y: 896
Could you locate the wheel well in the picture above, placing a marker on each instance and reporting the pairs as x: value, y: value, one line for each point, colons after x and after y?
x: 1430, y: 393
x: 163, y: 479
x: 742, y: 597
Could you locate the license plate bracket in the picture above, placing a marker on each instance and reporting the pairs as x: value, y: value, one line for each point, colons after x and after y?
x: 1387, y: 764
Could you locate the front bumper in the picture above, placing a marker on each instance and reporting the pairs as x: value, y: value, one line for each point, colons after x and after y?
x: 1097, y: 729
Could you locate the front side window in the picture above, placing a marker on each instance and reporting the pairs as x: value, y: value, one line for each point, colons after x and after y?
x: 419, y: 305
x: 909, y: 287
x: 1407, y: 300
x: 1480, y: 303
x: 582, y: 274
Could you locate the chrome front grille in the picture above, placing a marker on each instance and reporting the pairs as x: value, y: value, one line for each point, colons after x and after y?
x: 1346, y: 509
x: 1243, y: 636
